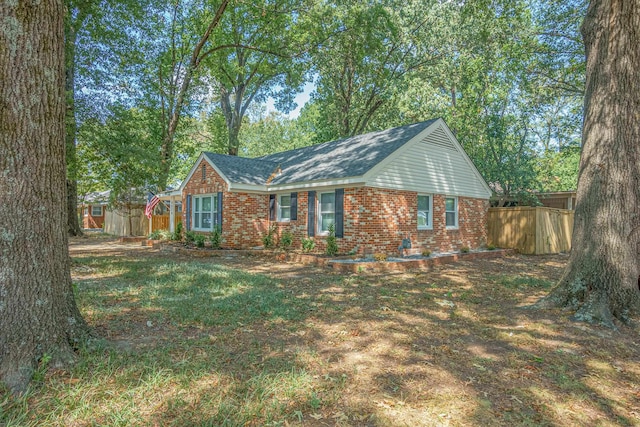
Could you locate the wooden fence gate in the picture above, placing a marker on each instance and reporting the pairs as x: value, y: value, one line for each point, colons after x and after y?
x: 531, y: 230
x: 161, y: 222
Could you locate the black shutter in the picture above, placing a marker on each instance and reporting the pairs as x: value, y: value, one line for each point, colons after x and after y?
x: 311, y: 223
x: 339, y: 212
x: 294, y: 206
x: 272, y: 207
x: 188, y: 212
x: 219, y: 208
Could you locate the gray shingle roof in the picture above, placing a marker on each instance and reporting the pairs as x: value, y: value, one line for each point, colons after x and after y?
x: 242, y: 170
x: 343, y: 158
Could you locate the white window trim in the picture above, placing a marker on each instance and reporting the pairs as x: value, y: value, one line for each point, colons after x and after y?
x: 456, y: 211
x: 214, y: 211
x: 98, y: 206
x: 322, y: 232
x: 430, y: 216
x: 279, y: 205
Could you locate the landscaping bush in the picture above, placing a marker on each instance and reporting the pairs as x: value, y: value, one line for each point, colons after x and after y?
x: 308, y: 244
x: 199, y: 240
x: 286, y: 240
x: 332, y: 245
x: 155, y: 235
x: 268, y: 240
x: 190, y: 237
x: 464, y: 249
x: 177, y: 234
x: 215, y: 238
x: 426, y: 253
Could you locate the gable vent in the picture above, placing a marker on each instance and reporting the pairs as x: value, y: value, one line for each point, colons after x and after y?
x: 439, y: 139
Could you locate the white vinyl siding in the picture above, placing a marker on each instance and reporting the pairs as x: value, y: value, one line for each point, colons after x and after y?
x: 435, y: 165
x: 284, y: 207
x: 326, y: 211
x: 425, y: 221
x: 204, y: 211
x: 451, y: 212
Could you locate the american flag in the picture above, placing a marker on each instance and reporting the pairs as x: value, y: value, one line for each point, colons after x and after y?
x: 152, y: 201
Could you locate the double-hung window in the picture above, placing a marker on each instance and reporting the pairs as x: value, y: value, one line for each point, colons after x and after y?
x: 326, y: 211
x: 284, y: 207
x: 96, y: 210
x: 424, y: 212
x: 451, y: 212
x: 204, y: 211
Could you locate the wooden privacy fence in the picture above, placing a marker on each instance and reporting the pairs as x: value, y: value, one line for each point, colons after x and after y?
x: 161, y: 222
x: 118, y: 223
x: 531, y: 230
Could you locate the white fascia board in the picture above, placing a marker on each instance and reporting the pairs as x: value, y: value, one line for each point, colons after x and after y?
x: 391, y: 157
x: 307, y: 185
x: 325, y: 184
x: 195, y: 166
x: 248, y: 188
x: 165, y: 195
x: 467, y: 158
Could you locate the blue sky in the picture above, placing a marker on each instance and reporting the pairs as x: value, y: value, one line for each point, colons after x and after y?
x: 300, y: 99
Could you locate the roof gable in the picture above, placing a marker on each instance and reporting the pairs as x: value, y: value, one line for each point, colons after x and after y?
x: 242, y: 170
x: 433, y: 162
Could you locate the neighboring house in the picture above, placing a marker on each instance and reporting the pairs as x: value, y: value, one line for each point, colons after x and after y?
x: 412, y: 182
x: 93, y: 208
x: 96, y: 212
x: 558, y: 199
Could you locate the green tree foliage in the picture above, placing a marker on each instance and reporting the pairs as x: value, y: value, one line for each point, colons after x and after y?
x: 507, y: 85
x: 265, y: 45
x: 369, y: 51
x: 119, y: 153
x: 272, y: 133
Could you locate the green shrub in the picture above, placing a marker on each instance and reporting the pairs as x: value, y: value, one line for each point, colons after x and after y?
x: 215, y: 238
x: 190, y: 236
x: 464, y: 249
x: 199, y: 240
x: 308, y: 244
x: 426, y: 253
x: 268, y: 240
x: 177, y: 234
x: 490, y: 247
x: 155, y: 235
x: 286, y: 240
x: 332, y: 245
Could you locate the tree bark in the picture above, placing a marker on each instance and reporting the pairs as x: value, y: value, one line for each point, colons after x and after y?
x: 71, y: 127
x: 38, y: 314
x: 601, y: 279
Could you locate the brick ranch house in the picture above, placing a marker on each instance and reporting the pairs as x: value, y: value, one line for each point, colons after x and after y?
x: 411, y: 182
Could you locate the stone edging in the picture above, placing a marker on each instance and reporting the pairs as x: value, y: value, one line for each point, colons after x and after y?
x: 334, y: 263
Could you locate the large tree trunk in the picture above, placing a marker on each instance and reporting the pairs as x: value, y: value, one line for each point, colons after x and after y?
x: 38, y: 314
x: 601, y: 278
x: 71, y: 127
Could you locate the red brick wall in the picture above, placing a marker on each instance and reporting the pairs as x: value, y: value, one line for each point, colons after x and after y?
x: 90, y: 221
x: 245, y: 216
x: 471, y: 231
x: 375, y: 220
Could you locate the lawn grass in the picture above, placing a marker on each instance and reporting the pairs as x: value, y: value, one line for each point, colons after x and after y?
x: 253, y: 342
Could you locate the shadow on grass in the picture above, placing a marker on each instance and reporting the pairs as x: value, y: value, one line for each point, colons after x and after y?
x: 229, y: 347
